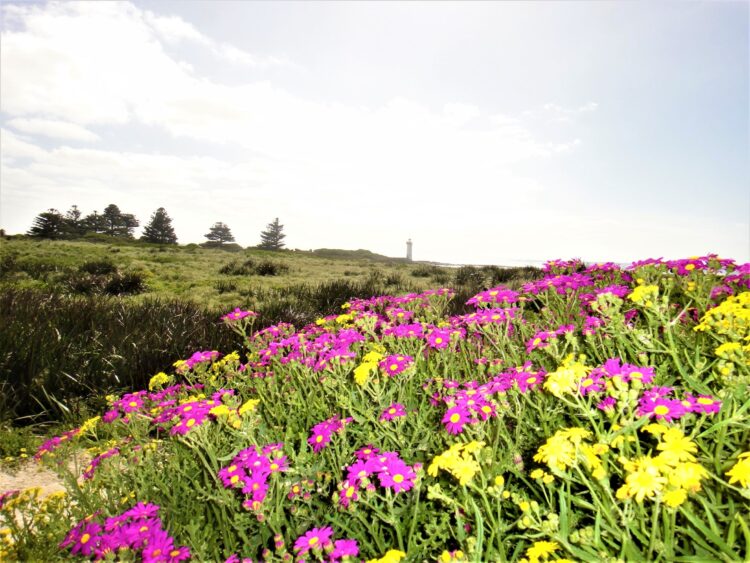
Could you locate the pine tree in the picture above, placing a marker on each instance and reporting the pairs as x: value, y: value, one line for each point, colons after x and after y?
x: 74, y: 224
x: 218, y: 235
x: 95, y: 223
x: 272, y: 237
x: 159, y: 228
x: 119, y: 224
x: 49, y: 224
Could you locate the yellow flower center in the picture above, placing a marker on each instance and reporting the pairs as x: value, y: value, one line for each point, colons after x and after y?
x: 313, y: 540
x: 85, y: 538
x: 455, y: 417
x: 190, y: 423
x: 398, y: 478
x: 661, y: 409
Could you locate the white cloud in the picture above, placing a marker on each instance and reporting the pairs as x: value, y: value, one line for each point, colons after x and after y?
x: 54, y: 129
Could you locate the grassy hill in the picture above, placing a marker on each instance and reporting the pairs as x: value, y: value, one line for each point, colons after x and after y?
x: 211, y: 276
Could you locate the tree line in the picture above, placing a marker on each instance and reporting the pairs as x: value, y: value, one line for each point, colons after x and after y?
x: 112, y: 222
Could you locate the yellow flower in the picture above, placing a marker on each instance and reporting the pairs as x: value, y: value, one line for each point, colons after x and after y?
x: 524, y: 506
x: 566, y: 378
x: 675, y: 497
x: 576, y: 434
x: 541, y: 550
x: 363, y: 370
x: 740, y: 472
x: 558, y: 452
x: 248, y: 406
x: 458, y: 462
x: 158, y: 381
x: 731, y: 317
x: 655, y: 428
x: 220, y: 410
x: 90, y: 424
x: 536, y: 474
x: 499, y: 481
x: 676, y: 447
x: 688, y: 476
x: 644, y: 295
x: 391, y: 556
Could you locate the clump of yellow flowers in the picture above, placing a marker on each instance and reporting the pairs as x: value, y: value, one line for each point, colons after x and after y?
x: 566, y: 447
x: 368, y: 365
x: 670, y: 475
x: 566, y: 378
x: 458, y: 461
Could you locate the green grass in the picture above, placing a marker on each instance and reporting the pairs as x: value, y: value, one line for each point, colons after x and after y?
x: 81, y: 318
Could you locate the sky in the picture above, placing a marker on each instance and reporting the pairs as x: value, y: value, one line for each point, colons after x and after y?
x: 488, y: 133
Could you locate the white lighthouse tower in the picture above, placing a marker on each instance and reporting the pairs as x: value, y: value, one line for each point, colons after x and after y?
x: 408, y: 250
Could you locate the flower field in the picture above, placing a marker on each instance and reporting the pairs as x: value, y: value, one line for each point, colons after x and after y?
x: 600, y: 413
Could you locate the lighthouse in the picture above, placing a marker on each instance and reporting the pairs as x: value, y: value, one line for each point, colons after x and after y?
x: 408, y: 250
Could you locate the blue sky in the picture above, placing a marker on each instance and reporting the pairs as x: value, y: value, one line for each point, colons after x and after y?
x: 487, y: 132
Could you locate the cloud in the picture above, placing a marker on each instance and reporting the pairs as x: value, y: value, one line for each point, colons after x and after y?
x: 338, y: 172
x: 54, y: 129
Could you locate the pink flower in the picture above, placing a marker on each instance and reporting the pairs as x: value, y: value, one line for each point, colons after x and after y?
x: 395, y: 364
x: 397, y: 475
x: 704, y: 404
x: 316, y: 538
x: 237, y: 315
x: 439, y: 338
x: 396, y: 410
x: 661, y: 408
x: 455, y: 418
x: 344, y: 548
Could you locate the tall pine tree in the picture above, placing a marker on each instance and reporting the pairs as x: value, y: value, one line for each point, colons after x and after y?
x: 159, y: 229
x: 272, y: 237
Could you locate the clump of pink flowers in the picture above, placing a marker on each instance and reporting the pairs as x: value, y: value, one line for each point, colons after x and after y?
x: 320, y: 434
x: 320, y: 540
x: 138, y: 529
x: 250, y: 471
x: 389, y: 469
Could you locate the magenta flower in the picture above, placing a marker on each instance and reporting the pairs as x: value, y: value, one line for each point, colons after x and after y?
x: 661, y: 408
x: 528, y: 380
x: 237, y: 315
x: 395, y: 364
x: 396, y: 410
x: 321, y: 433
x: 366, y: 452
x: 607, y: 405
x: 317, y: 538
x: 704, y: 404
x: 344, y: 548
x: 439, y: 338
x: 455, y: 418
x: 397, y: 475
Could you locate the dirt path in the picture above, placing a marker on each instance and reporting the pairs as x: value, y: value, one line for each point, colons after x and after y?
x: 30, y: 474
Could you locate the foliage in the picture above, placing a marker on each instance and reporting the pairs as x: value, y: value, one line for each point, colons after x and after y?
x: 218, y: 234
x: 272, y: 238
x: 58, y: 352
x: 50, y: 225
x: 159, y: 229
x: 599, y: 413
